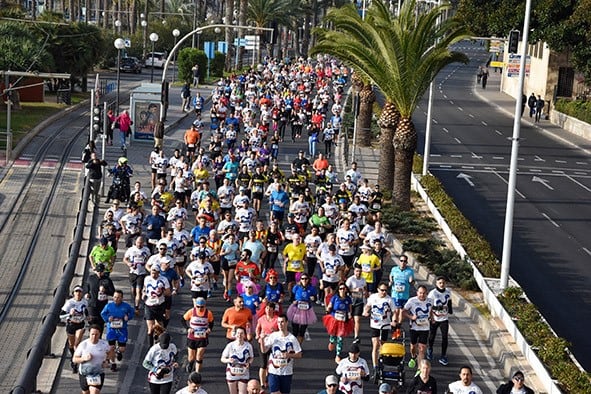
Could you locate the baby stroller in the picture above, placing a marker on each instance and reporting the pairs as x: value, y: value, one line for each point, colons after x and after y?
x: 390, y: 367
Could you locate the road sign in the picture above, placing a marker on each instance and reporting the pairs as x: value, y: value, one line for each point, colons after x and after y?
x: 127, y: 42
x: 252, y: 42
x: 223, y: 47
x: 496, y: 46
x: 513, y: 65
x: 209, y: 48
x: 239, y: 42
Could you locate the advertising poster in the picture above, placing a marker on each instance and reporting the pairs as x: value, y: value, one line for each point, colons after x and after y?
x: 146, y: 114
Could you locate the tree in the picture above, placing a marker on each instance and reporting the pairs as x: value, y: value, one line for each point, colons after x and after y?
x: 367, y: 97
x: 22, y: 50
x: 401, y: 56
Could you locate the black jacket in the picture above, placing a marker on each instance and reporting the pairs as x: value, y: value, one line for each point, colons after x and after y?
x: 506, y: 388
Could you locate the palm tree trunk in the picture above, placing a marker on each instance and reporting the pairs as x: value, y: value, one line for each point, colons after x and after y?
x: 241, y: 32
x: 405, y: 145
x: 387, y: 122
x: 366, y: 99
x: 229, y: 16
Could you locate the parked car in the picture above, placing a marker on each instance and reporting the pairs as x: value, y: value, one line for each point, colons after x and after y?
x: 130, y: 64
x: 159, y: 59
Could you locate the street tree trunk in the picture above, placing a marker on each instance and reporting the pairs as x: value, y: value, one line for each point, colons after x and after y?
x: 405, y: 145
x: 367, y: 98
x: 387, y: 122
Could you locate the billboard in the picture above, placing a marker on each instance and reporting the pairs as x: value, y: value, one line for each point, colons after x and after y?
x: 145, y: 116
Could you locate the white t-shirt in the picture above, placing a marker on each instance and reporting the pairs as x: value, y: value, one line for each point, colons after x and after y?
x: 380, y: 312
x: 351, y: 371
x: 240, y: 354
x: 420, y: 309
x: 154, y: 290
x: 160, y: 358
x: 279, y: 345
x: 353, y: 284
x: 458, y: 387
x: 441, y: 300
x: 98, y: 351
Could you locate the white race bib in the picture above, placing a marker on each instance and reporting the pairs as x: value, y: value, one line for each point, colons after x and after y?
x: 117, y: 323
x: 237, y: 370
x: 303, y: 305
x: 93, y: 380
x: 340, y: 316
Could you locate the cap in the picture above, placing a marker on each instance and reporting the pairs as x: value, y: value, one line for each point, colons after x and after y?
x: 331, y: 379
x: 364, y: 246
x: 200, y: 301
x: 242, y: 189
x: 164, y: 340
x: 104, y: 240
x: 100, y: 267
x: 385, y: 388
x: 155, y: 268
x: 354, y: 348
x: 78, y: 288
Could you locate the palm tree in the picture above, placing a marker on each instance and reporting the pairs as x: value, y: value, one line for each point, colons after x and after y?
x: 401, y: 56
x: 367, y: 97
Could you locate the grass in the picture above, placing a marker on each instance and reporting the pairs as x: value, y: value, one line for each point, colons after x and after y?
x: 30, y: 115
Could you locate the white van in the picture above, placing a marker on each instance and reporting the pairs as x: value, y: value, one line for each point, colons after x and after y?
x: 159, y: 59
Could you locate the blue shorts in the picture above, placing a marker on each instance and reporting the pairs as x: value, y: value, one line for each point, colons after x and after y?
x: 117, y: 335
x: 279, y: 383
x: 399, y: 302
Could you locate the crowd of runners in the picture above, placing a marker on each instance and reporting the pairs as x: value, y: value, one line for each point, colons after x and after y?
x: 279, y: 241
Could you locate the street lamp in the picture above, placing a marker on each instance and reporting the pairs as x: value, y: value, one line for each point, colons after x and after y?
x: 198, y: 36
x: 153, y: 38
x: 119, y: 44
x: 176, y: 33
x: 118, y: 26
x: 144, y: 24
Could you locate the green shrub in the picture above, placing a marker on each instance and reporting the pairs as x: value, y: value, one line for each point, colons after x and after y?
x: 407, y: 222
x: 579, y: 109
x: 187, y: 58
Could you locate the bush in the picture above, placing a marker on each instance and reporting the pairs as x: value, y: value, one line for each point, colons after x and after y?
x: 217, y: 65
x: 187, y: 58
x: 407, y: 222
x: 579, y: 109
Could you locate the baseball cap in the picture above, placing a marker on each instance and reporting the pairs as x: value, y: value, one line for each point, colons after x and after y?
x: 331, y: 379
x: 385, y: 388
x: 78, y: 288
x: 200, y: 301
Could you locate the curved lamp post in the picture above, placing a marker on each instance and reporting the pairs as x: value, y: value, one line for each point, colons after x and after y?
x: 153, y: 38
x: 176, y: 33
x: 119, y: 44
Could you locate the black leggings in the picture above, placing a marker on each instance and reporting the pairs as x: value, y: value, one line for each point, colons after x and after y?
x: 298, y: 329
x: 444, y: 326
x: 162, y: 388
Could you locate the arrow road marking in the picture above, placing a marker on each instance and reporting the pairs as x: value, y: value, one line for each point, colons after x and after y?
x: 542, y: 181
x: 475, y: 156
x: 466, y: 177
x: 538, y: 158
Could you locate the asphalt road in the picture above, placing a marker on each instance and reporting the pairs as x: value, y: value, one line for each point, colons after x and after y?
x: 470, y: 154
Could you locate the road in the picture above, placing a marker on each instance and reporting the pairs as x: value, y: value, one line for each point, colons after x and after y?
x: 551, y: 249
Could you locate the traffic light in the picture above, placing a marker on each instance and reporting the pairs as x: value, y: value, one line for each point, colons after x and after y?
x: 97, y: 120
x: 513, y: 41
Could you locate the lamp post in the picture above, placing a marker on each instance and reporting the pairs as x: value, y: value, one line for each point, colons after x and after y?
x: 176, y: 33
x: 119, y: 44
x: 118, y: 26
x: 198, y: 36
x: 144, y: 24
x: 153, y: 38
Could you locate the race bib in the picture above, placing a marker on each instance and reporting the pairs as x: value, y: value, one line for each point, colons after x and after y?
x: 280, y: 362
x: 422, y: 321
x: 272, y: 248
x: 200, y: 332
x: 77, y: 318
x: 237, y: 370
x: 190, y: 145
x: 296, y: 264
x: 102, y: 296
x: 117, y: 323
x: 366, y: 268
x: 375, y: 205
x: 354, y: 375
x: 340, y: 316
x: 399, y: 287
x: 303, y: 305
x: 180, y: 259
x: 93, y: 380
x: 197, y: 281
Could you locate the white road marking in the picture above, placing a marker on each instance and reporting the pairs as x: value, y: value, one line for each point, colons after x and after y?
x: 506, y: 182
x: 498, y: 157
x: 444, y: 129
x: 582, y: 163
x: 538, y: 158
x: 558, y: 171
x: 461, y: 109
x: 580, y: 173
x: 475, y: 156
x: 587, y: 251
x: 470, y: 115
x: 468, y: 167
x: 550, y: 220
x: 435, y: 155
x: 560, y: 161
x: 435, y: 121
x: 457, y: 140
x: 484, y: 123
x: 543, y: 181
x: 498, y: 132
x: 450, y: 101
x: 444, y: 166
x: 578, y: 183
x: 466, y: 177
x: 535, y: 170
x: 458, y: 156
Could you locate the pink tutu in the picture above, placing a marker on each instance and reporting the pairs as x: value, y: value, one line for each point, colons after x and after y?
x: 301, y: 316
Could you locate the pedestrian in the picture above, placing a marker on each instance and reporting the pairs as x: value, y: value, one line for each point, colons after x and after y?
x: 185, y: 96
x: 523, y: 102
x: 338, y: 320
x: 196, y: 75
x: 484, y: 77
x: 94, y: 166
x: 353, y: 370
x: 238, y: 356
x: 385, y: 388
x: 90, y: 356
x: 540, y: 103
x: 123, y: 122
x: 253, y: 387
x: 419, y: 311
x: 479, y: 74
x: 110, y: 121
x: 285, y: 347
x: 193, y: 385
x: 99, y: 288
x: 423, y: 382
x: 442, y: 308
x: 531, y: 103
x: 75, y: 312
x: 515, y: 385
x: 331, y: 383
x: 464, y: 384
x: 161, y: 363
x: 117, y: 314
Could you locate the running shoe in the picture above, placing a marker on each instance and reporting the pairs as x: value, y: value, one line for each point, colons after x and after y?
x: 113, y: 367
x: 443, y: 360
x: 429, y: 354
x: 119, y: 355
x: 307, y: 336
x: 357, y: 340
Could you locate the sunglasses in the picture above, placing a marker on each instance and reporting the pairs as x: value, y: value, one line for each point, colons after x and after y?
x: 342, y: 288
x: 518, y: 378
x: 161, y: 248
x: 382, y: 289
x: 304, y: 278
x: 272, y: 277
x: 331, y: 385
